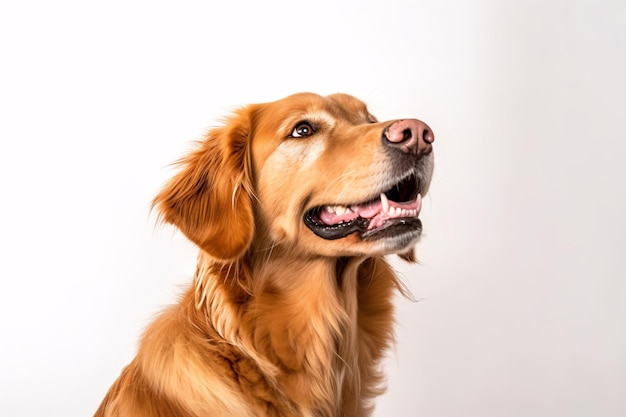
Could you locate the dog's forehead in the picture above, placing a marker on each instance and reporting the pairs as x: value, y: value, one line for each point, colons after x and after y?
x: 347, y: 106
x: 278, y: 118
x: 336, y: 106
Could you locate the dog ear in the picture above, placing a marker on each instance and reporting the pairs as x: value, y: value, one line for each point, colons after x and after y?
x: 210, y: 199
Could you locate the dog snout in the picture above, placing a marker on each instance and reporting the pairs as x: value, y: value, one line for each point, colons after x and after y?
x: 410, y: 136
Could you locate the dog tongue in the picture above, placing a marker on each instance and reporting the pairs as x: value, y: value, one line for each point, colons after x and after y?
x: 330, y: 215
x: 368, y: 210
x: 378, y: 211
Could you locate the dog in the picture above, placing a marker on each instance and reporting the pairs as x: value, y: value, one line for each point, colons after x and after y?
x: 293, y: 205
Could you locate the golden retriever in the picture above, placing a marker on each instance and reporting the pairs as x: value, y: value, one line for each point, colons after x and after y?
x: 293, y: 205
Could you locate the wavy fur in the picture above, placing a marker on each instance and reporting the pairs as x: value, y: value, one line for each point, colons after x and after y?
x: 278, y: 322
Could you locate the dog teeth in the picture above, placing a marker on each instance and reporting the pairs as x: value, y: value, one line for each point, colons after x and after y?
x: 387, y: 208
x: 384, y: 202
x: 338, y: 210
x: 398, y: 212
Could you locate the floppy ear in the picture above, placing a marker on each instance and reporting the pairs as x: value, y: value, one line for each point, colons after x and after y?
x: 209, y: 199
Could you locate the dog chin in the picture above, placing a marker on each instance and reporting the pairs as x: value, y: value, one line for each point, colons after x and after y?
x: 396, y: 244
x: 392, y: 240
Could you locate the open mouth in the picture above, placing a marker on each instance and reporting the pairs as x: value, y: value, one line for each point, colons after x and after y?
x: 392, y: 212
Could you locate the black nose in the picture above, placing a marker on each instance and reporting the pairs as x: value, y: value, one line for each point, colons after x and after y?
x: 410, y: 136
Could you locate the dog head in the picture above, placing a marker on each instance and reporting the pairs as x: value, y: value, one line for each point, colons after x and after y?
x: 317, y: 175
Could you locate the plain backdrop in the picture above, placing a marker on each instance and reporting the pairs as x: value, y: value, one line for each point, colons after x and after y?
x: 522, y: 283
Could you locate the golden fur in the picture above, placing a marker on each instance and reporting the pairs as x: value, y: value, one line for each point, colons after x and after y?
x: 278, y: 321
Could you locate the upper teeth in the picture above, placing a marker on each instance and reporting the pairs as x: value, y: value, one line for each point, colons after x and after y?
x: 397, y: 211
x: 384, y: 202
x: 338, y: 210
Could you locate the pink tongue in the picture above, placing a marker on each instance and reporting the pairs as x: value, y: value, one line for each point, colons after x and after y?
x: 366, y: 211
x: 372, y: 210
x: 369, y: 210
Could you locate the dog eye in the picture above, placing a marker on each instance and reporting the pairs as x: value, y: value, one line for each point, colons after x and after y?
x: 302, y: 130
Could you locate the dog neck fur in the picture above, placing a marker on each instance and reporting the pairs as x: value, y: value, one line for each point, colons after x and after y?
x: 297, y: 342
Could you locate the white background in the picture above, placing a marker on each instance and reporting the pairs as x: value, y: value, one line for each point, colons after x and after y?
x: 522, y: 279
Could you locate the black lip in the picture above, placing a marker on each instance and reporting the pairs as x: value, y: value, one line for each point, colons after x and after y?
x: 335, y: 231
x: 405, y: 190
x: 393, y: 228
